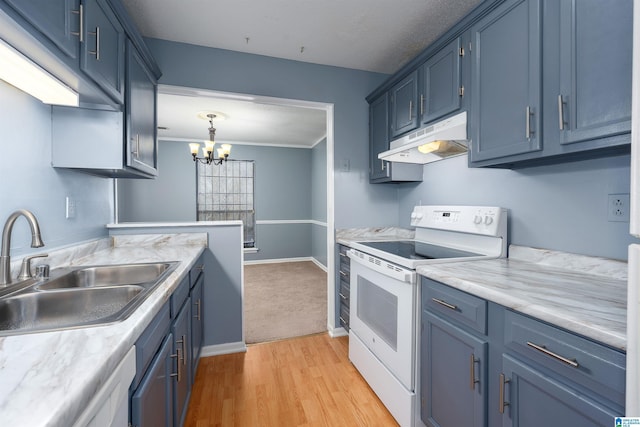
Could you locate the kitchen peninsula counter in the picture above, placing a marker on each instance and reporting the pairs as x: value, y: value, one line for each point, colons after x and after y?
x: 585, y: 295
x: 49, y: 378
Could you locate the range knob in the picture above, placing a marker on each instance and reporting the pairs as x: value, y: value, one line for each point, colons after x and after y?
x: 488, y: 220
x: 477, y: 219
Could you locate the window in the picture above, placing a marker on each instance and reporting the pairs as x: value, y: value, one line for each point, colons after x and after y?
x: 225, y: 192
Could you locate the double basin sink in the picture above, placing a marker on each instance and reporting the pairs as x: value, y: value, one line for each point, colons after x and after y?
x: 79, y: 297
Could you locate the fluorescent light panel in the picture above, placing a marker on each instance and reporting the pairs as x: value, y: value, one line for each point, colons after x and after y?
x: 21, y: 72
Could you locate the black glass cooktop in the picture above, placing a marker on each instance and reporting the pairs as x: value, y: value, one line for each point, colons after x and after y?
x: 418, y: 250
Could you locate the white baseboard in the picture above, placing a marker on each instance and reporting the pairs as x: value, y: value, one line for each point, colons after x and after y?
x: 280, y: 260
x: 338, y: 332
x: 227, y: 348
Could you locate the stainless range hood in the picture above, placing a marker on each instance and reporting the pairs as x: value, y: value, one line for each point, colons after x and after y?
x: 447, y: 138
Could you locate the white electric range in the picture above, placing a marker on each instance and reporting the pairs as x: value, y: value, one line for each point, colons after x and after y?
x: 384, y: 293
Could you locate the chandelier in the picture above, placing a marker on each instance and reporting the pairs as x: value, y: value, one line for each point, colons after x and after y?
x: 207, y: 150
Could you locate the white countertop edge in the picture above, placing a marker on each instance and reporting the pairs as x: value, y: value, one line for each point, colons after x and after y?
x: 174, y: 224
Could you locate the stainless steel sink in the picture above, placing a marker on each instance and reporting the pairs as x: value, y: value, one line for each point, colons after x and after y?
x: 108, y: 275
x: 64, y: 309
x: 80, y: 297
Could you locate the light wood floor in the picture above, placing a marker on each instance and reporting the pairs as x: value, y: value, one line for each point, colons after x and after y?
x: 306, y: 381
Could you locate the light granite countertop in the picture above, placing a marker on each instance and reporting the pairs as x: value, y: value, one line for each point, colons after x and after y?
x: 49, y: 378
x: 585, y: 295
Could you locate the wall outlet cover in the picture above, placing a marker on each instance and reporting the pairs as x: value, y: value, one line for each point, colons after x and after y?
x: 618, y: 207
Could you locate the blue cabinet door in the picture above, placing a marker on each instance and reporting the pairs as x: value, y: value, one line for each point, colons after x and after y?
x: 533, y: 399
x: 197, y: 323
x: 506, y: 82
x: 594, y: 98
x: 453, y: 375
x: 58, y: 20
x: 141, y: 101
x: 181, y: 330
x: 378, y: 137
x: 441, y: 86
x: 151, y: 404
x: 404, y: 105
x: 102, y: 55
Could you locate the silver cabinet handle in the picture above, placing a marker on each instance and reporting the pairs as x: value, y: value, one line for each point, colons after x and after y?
x: 80, y: 32
x: 529, y: 113
x: 542, y: 349
x: 197, y: 316
x: 381, y: 164
x: 179, y: 373
x: 343, y: 255
x: 421, y: 104
x: 502, y: 403
x: 343, y: 274
x: 561, y: 121
x: 343, y: 321
x: 445, y: 304
x: 200, y: 267
x: 472, y: 372
x: 136, y: 152
x: 410, y: 109
x: 183, y: 342
x: 97, y: 51
x: 342, y: 296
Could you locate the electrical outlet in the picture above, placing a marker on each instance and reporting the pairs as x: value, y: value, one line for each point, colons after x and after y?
x: 618, y: 207
x: 70, y: 208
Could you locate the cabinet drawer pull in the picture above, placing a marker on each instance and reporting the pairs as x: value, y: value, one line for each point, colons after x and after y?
x: 183, y: 342
x: 343, y: 321
x: 445, y: 304
x: 342, y: 296
x: 343, y: 255
x: 421, y: 104
x: 97, y: 51
x: 502, y: 403
x: 80, y: 32
x: 200, y: 267
x: 542, y: 349
x: 472, y: 372
x: 381, y: 164
x: 343, y: 274
x: 529, y: 131
x: 410, y: 110
x: 561, y: 121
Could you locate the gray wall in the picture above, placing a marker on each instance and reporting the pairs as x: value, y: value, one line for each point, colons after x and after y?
x: 561, y: 207
x: 356, y: 202
x: 29, y: 181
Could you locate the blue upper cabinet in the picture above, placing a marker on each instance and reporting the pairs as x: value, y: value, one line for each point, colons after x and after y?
x: 506, y: 85
x: 594, y: 96
x: 442, y: 88
x: 378, y: 137
x: 59, y: 20
x: 404, y: 105
x: 141, y: 101
x: 102, y: 55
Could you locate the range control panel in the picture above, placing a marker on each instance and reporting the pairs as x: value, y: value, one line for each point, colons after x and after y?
x: 486, y: 220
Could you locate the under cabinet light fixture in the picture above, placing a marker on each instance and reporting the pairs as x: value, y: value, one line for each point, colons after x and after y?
x: 207, y: 151
x: 19, y: 71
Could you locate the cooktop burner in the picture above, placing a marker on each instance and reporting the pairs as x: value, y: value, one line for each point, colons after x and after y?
x: 410, y: 249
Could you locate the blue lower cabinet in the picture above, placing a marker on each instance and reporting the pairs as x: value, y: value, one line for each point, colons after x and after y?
x: 533, y: 399
x: 149, y: 406
x: 197, y: 325
x: 453, y: 375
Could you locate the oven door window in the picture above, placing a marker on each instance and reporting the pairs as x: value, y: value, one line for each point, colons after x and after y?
x: 378, y: 309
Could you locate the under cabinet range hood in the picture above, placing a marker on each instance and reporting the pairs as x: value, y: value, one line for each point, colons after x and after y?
x: 444, y: 139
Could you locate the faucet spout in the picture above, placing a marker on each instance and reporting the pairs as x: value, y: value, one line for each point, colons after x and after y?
x: 5, y: 250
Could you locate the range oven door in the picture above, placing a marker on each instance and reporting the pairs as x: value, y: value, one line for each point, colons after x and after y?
x: 382, y: 315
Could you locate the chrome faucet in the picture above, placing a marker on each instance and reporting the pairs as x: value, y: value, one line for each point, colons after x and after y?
x: 5, y: 258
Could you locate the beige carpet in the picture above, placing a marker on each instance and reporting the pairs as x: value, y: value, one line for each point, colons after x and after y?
x: 284, y: 300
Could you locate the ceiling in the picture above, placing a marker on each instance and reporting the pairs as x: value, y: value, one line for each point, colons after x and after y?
x: 371, y: 35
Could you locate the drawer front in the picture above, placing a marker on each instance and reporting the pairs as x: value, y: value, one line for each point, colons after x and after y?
x: 344, y: 316
x: 455, y: 305
x: 592, y: 365
x: 344, y: 293
x: 344, y: 260
x: 179, y: 297
x: 150, y: 341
